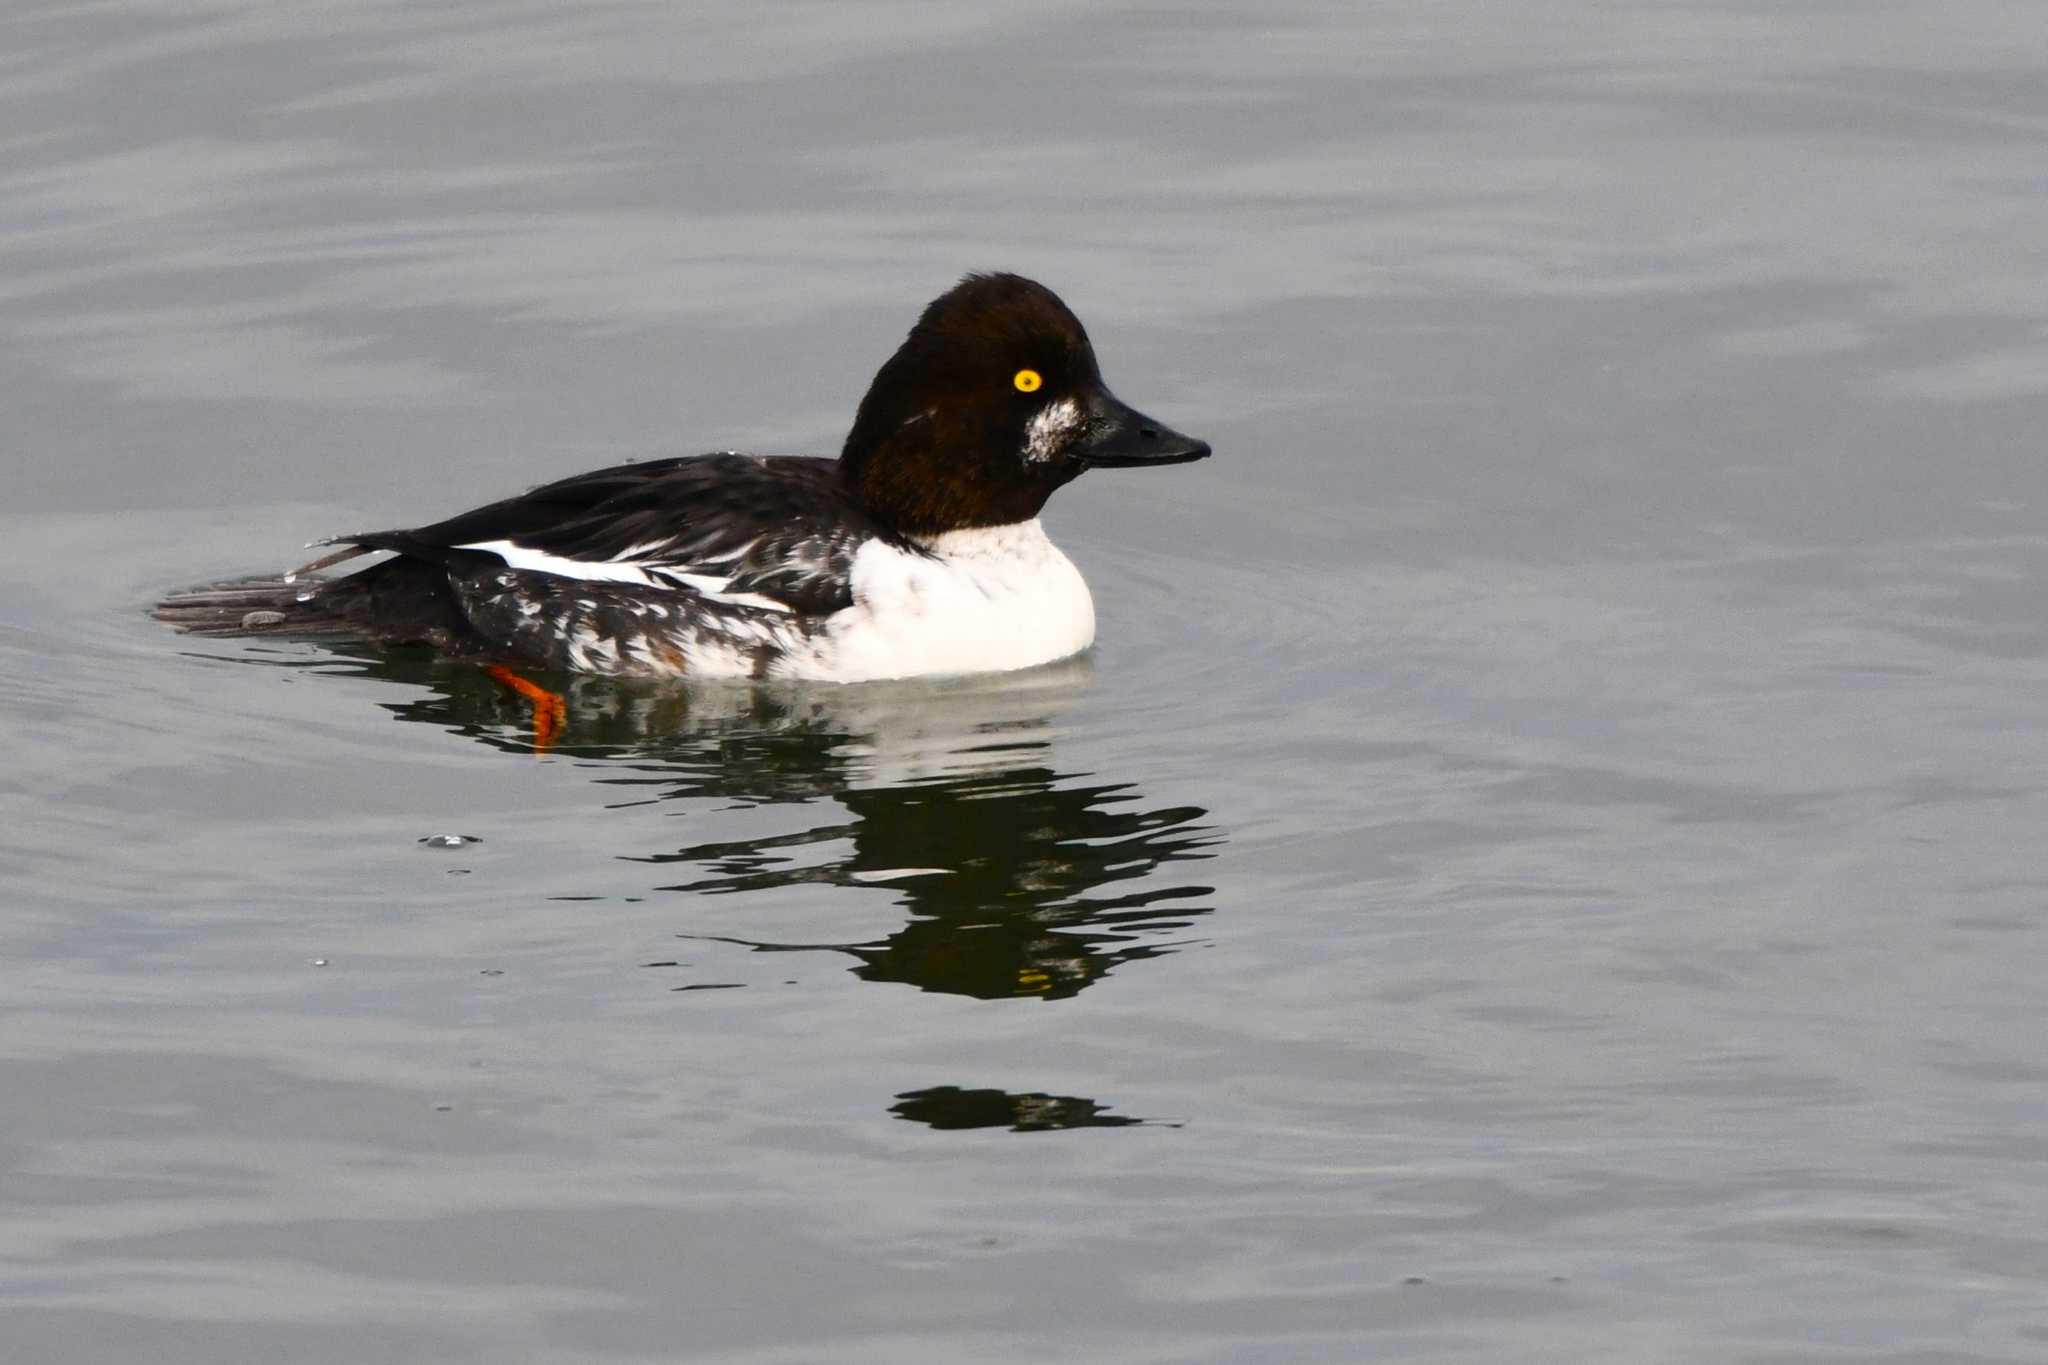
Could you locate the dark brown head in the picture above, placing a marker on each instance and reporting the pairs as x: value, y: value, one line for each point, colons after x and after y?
x: 992, y: 402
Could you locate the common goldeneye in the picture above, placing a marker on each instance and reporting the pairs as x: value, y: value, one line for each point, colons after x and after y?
x: 917, y: 552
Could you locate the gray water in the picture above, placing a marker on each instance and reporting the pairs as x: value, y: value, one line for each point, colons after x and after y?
x: 1545, y: 862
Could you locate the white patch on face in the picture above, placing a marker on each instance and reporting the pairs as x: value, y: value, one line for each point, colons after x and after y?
x: 1048, y: 431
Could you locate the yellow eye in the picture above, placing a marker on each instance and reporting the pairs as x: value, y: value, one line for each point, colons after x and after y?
x: 1027, y: 381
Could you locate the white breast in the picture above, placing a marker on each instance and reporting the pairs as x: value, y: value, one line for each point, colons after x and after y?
x: 982, y: 601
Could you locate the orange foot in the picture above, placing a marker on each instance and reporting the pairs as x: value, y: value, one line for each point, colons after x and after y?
x: 550, y: 709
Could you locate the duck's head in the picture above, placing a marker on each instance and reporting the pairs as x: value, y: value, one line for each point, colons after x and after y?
x: 992, y: 402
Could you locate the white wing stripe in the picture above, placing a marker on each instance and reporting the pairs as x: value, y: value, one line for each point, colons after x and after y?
x: 715, y: 589
x: 519, y: 556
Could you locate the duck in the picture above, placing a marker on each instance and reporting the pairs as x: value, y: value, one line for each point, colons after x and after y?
x: 918, y: 552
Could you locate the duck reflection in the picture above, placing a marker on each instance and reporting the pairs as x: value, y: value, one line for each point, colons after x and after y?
x: 1019, y: 883
x: 1018, y: 879
x: 950, y: 1107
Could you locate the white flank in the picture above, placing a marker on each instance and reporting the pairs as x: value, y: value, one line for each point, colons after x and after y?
x: 983, y: 601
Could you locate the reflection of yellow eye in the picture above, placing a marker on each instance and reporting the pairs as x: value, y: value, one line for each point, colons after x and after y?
x: 1027, y: 381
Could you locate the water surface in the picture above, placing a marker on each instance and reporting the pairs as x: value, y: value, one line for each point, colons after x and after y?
x: 1543, y: 863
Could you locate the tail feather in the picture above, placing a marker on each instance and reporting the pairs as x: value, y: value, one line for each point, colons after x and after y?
x: 400, y: 601
x: 253, y: 606
x: 350, y: 549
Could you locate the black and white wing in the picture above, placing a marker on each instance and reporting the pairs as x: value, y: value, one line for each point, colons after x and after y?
x: 772, y: 534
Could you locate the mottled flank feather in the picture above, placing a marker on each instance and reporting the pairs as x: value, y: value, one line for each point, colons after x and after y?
x: 620, y: 629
